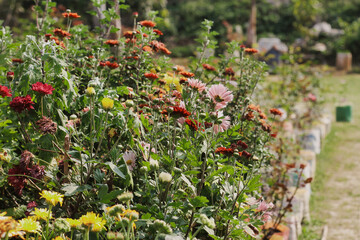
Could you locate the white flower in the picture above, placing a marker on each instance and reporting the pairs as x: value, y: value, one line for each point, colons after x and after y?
x: 130, y: 157
x: 165, y: 177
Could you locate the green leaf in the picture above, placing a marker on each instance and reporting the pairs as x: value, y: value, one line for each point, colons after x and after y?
x: 72, y: 189
x: 115, y: 169
x: 199, y: 201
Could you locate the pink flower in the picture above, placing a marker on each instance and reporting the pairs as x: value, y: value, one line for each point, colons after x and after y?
x: 263, y: 206
x: 197, y: 84
x: 267, y: 216
x: 130, y: 157
x: 310, y: 97
x: 224, y: 125
x: 42, y: 88
x: 220, y: 96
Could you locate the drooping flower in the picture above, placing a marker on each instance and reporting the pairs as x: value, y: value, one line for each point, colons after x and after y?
x: 42, y: 88
x: 147, y: 23
x: 20, y: 104
x: 225, y: 151
x: 224, y: 125
x: 5, y: 91
x: 130, y: 159
x: 29, y: 225
x: 61, y: 33
x: 17, y: 181
x: 208, y: 67
x: 107, y: 103
x: 52, y: 198
x: 111, y: 42
x: 242, y: 144
x: 37, y: 171
x: 197, y: 84
x: 220, y: 95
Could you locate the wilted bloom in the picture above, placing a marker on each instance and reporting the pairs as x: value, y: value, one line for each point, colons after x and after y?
x: 18, y: 182
x: 197, y: 84
x: 242, y: 144
x: 5, y: 91
x: 225, y: 151
x: 130, y: 159
x: 208, y: 67
x: 246, y: 154
x: 9, y: 227
x: 220, y: 96
x: 147, y: 23
x: 165, y: 177
x: 20, y: 104
x: 151, y: 75
x: 52, y: 198
x: 224, y: 125
x: 107, y: 103
x: 46, y: 125
x: 42, y: 88
x: 10, y: 76
x: 112, y: 42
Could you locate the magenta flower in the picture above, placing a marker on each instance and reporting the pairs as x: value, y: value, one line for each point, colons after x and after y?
x: 220, y: 96
x: 197, y: 84
x: 224, y: 125
x: 42, y: 88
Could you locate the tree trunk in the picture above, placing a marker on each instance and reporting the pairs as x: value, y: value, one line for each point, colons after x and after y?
x: 251, y: 31
x: 116, y: 22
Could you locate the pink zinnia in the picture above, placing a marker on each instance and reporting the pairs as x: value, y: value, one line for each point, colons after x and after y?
x: 42, y: 88
x: 224, y: 125
x: 20, y: 104
x: 220, y: 96
x: 197, y: 84
x: 5, y: 91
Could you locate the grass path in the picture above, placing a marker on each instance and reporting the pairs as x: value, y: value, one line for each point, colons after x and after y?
x: 336, y: 189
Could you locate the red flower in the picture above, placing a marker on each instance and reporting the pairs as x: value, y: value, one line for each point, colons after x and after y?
x: 251, y: 50
x: 192, y: 123
x: 242, y: 144
x: 42, y: 88
x: 147, y: 23
x: 225, y: 151
x: 135, y: 14
x: 180, y: 112
x: 112, y: 65
x: 61, y: 33
x: 242, y: 46
x: 158, y: 32
x: 17, y: 60
x: 246, y: 154
x: 102, y: 64
x: 31, y: 205
x: 275, y: 111
x: 187, y: 74
x: 71, y: 15
x: 208, y: 67
x: 112, y: 42
x: 151, y: 75
x: 229, y: 72
x: 20, y: 104
x: 18, y: 182
x: 48, y: 35
x: 5, y: 91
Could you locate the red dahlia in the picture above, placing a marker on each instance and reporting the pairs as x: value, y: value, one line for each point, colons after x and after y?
x: 5, y: 91
x: 42, y: 88
x: 225, y: 151
x: 20, y: 104
x: 147, y: 23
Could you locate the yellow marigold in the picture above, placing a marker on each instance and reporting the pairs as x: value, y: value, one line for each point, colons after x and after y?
x: 88, y: 219
x: 52, y: 198
x: 42, y: 214
x: 73, y: 222
x: 98, y: 225
x: 30, y: 225
x: 107, y: 103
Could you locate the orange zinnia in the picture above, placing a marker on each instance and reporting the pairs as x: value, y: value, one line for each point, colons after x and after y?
x: 112, y: 42
x: 71, y: 15
x: 147, y: 23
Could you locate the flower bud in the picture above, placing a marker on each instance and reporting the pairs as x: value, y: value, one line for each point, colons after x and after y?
x: 162, y: 227
x: 165, y: 177
x: 135, y: 14
x: 107, y: 103
x: 73, y: 117
x: 129, y: 103
x: 115, y: 210
x: 154, y: 164
x: 210, y: 223
x: 90, y: 91
x: 125, y: 197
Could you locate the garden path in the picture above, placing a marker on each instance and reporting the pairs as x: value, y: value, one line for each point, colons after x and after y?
x: 336, y: 189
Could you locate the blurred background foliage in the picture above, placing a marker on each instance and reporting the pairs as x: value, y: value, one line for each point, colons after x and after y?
x: 286, y: 19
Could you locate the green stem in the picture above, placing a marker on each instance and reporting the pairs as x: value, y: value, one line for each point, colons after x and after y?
x: 42, y: 105
x: 102, y: 135
x: 48, y: 221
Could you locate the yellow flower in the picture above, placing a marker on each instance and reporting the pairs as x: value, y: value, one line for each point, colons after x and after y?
x: 41, y: 214
x: 29, y: 225
x: 131, y: 214
x: 7, y: 224
x: 172, y: 80
x: 73, y: 222
x: 107, y: 103
x: 112, y: 132
x: 90, y: 91
x: 98, y: 225
x: 58, y: 238
x: 52, y: 197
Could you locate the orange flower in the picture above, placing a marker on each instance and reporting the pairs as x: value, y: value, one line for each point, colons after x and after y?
x: 71, y: 15
x: 208, y: 67
x: 158, y: 32
x: 251, y: 50
x: 151, y: 75
x: 147, y: 49
x: 225, y: 151
x: 165, y: 50
x: 275, y: 111
x: 61, y: 33
x: 112, y: 42
x: 187, y: 74
x: 17, y: 60
x: 147, y: 23
x: 128, y: 34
